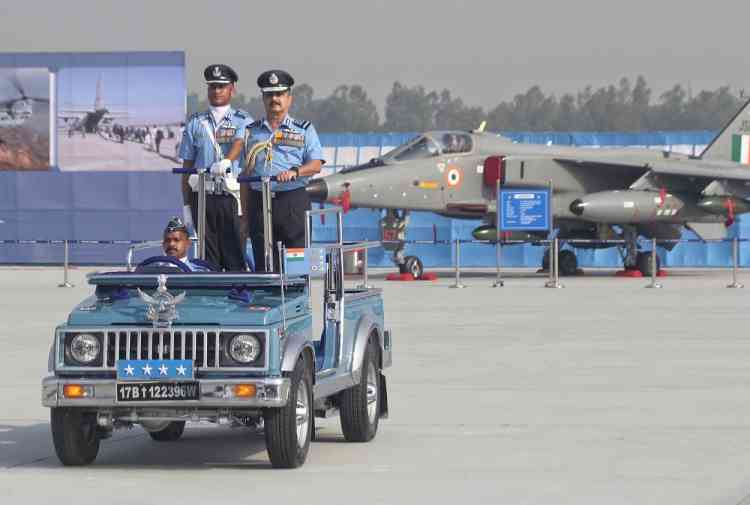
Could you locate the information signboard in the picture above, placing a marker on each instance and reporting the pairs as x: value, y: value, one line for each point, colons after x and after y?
x: 524, y: 210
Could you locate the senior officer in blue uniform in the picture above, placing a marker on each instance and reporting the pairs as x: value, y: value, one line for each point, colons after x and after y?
x: 296, y: 156
x: 213, y: 141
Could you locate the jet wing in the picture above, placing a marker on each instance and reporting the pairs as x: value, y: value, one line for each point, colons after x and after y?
x: 691, y: 175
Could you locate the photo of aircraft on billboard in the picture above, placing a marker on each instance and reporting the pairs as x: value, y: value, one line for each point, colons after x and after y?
x: 119, y: 118
x: 24, y: 118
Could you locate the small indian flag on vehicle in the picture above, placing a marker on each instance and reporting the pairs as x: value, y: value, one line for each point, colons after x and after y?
x: 741, y: 149
x: 305, y: 262
x: 295, y: 255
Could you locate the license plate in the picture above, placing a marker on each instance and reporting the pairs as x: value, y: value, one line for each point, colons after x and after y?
x: 156, y: 391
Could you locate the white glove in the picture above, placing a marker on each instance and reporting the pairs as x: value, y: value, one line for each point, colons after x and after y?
x: 221, y: 167
x: 187, y: 217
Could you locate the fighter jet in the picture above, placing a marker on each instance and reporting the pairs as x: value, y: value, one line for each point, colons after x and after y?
x: 16, y: 110
x: 613, y: 194
x: 88, y: 120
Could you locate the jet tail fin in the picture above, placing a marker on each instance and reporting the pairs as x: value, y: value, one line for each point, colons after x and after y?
x: 733, y: 141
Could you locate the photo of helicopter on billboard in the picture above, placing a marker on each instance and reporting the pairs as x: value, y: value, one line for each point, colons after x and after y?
x: 24, y: 118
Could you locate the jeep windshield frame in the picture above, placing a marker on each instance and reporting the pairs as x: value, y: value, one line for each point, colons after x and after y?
x: 193, y: 280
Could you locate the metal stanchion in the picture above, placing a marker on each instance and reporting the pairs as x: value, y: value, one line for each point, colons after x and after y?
x: 201, y: 231
x: 458, y: 267
x: 735, y: 260
x: 498, y: 249
x: 65, y: 283
x: 653, y: 283
x: 267, y: 225
x: 554, y: 281
x: 498, y: 253
x: 365, y: 284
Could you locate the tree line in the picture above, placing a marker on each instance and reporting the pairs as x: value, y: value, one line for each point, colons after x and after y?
x: 625, y: 106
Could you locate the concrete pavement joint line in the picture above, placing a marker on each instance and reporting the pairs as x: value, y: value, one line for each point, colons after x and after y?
x: 28, y: 462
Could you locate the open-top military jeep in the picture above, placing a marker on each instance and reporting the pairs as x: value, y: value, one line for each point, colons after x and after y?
x: 159, y: 347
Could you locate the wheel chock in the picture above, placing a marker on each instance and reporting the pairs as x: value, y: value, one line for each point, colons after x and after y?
x: 427, y: 276
x: 629, y: 273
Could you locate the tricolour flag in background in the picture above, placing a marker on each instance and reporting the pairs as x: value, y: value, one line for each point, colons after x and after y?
x: 741, y: 149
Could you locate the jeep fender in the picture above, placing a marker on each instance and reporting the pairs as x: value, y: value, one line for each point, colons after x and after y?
x: 295, y: 345
x: 365, y: 328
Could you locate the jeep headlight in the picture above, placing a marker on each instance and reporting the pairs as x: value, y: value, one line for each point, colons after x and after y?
x: 85, y: 348
x: 244, y: 348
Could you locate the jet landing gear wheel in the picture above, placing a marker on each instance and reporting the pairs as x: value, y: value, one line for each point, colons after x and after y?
x: 74, y: 436
x: 412, y: 265
x: 567, y: 262
x: 643, y: 263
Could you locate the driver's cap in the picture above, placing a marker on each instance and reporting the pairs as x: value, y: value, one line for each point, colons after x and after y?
x: 175, y: 224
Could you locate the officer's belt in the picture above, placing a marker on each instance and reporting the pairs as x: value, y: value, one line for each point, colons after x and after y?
x: 212, y: 188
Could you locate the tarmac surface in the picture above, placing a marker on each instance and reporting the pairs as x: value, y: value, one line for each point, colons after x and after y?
x: 94, y: 152
x: 600, y: 393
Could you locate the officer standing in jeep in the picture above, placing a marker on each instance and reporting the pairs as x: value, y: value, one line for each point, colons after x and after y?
x: 296, y: 156
x: 212, y: 140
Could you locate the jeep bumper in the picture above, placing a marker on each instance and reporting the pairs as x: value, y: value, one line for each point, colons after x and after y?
x: 213, y: 393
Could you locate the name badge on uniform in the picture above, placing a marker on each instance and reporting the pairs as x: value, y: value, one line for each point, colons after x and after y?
x: 287, y: 138
x: 225, y: 135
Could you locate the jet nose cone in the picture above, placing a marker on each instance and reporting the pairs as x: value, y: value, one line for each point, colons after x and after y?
x: 576, y: 207
x: 317, y: 190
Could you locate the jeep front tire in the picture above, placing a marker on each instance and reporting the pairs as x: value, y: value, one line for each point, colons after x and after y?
x: 74, y: 435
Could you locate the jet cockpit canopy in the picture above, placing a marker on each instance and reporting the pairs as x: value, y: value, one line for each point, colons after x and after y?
x: 431, y: 144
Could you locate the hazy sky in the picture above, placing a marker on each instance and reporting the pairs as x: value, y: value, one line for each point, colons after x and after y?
x: 483, y: 51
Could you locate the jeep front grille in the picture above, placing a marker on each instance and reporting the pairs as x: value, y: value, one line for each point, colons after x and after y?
x: 203, y: 346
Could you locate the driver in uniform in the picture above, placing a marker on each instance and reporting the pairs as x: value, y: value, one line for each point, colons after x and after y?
x: 176, y: 244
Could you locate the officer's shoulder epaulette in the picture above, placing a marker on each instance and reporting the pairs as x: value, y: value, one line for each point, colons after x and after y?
x: 301, y: 124
x: 241, y: 114
x: 195, y: 115
x: 255, y: 124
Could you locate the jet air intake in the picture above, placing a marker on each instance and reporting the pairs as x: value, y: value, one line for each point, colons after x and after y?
x: 494, y: 170
x: 625, y: 207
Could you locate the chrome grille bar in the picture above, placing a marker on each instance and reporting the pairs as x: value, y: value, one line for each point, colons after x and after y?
x: 105, y: 347
x: 205, y: 349
x: 216, y: 350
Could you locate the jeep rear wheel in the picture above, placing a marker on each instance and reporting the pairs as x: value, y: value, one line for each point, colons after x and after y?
x: 360, y: 404
x: 74, y: 436
x: 173, y: 431
x: 289, y: 428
